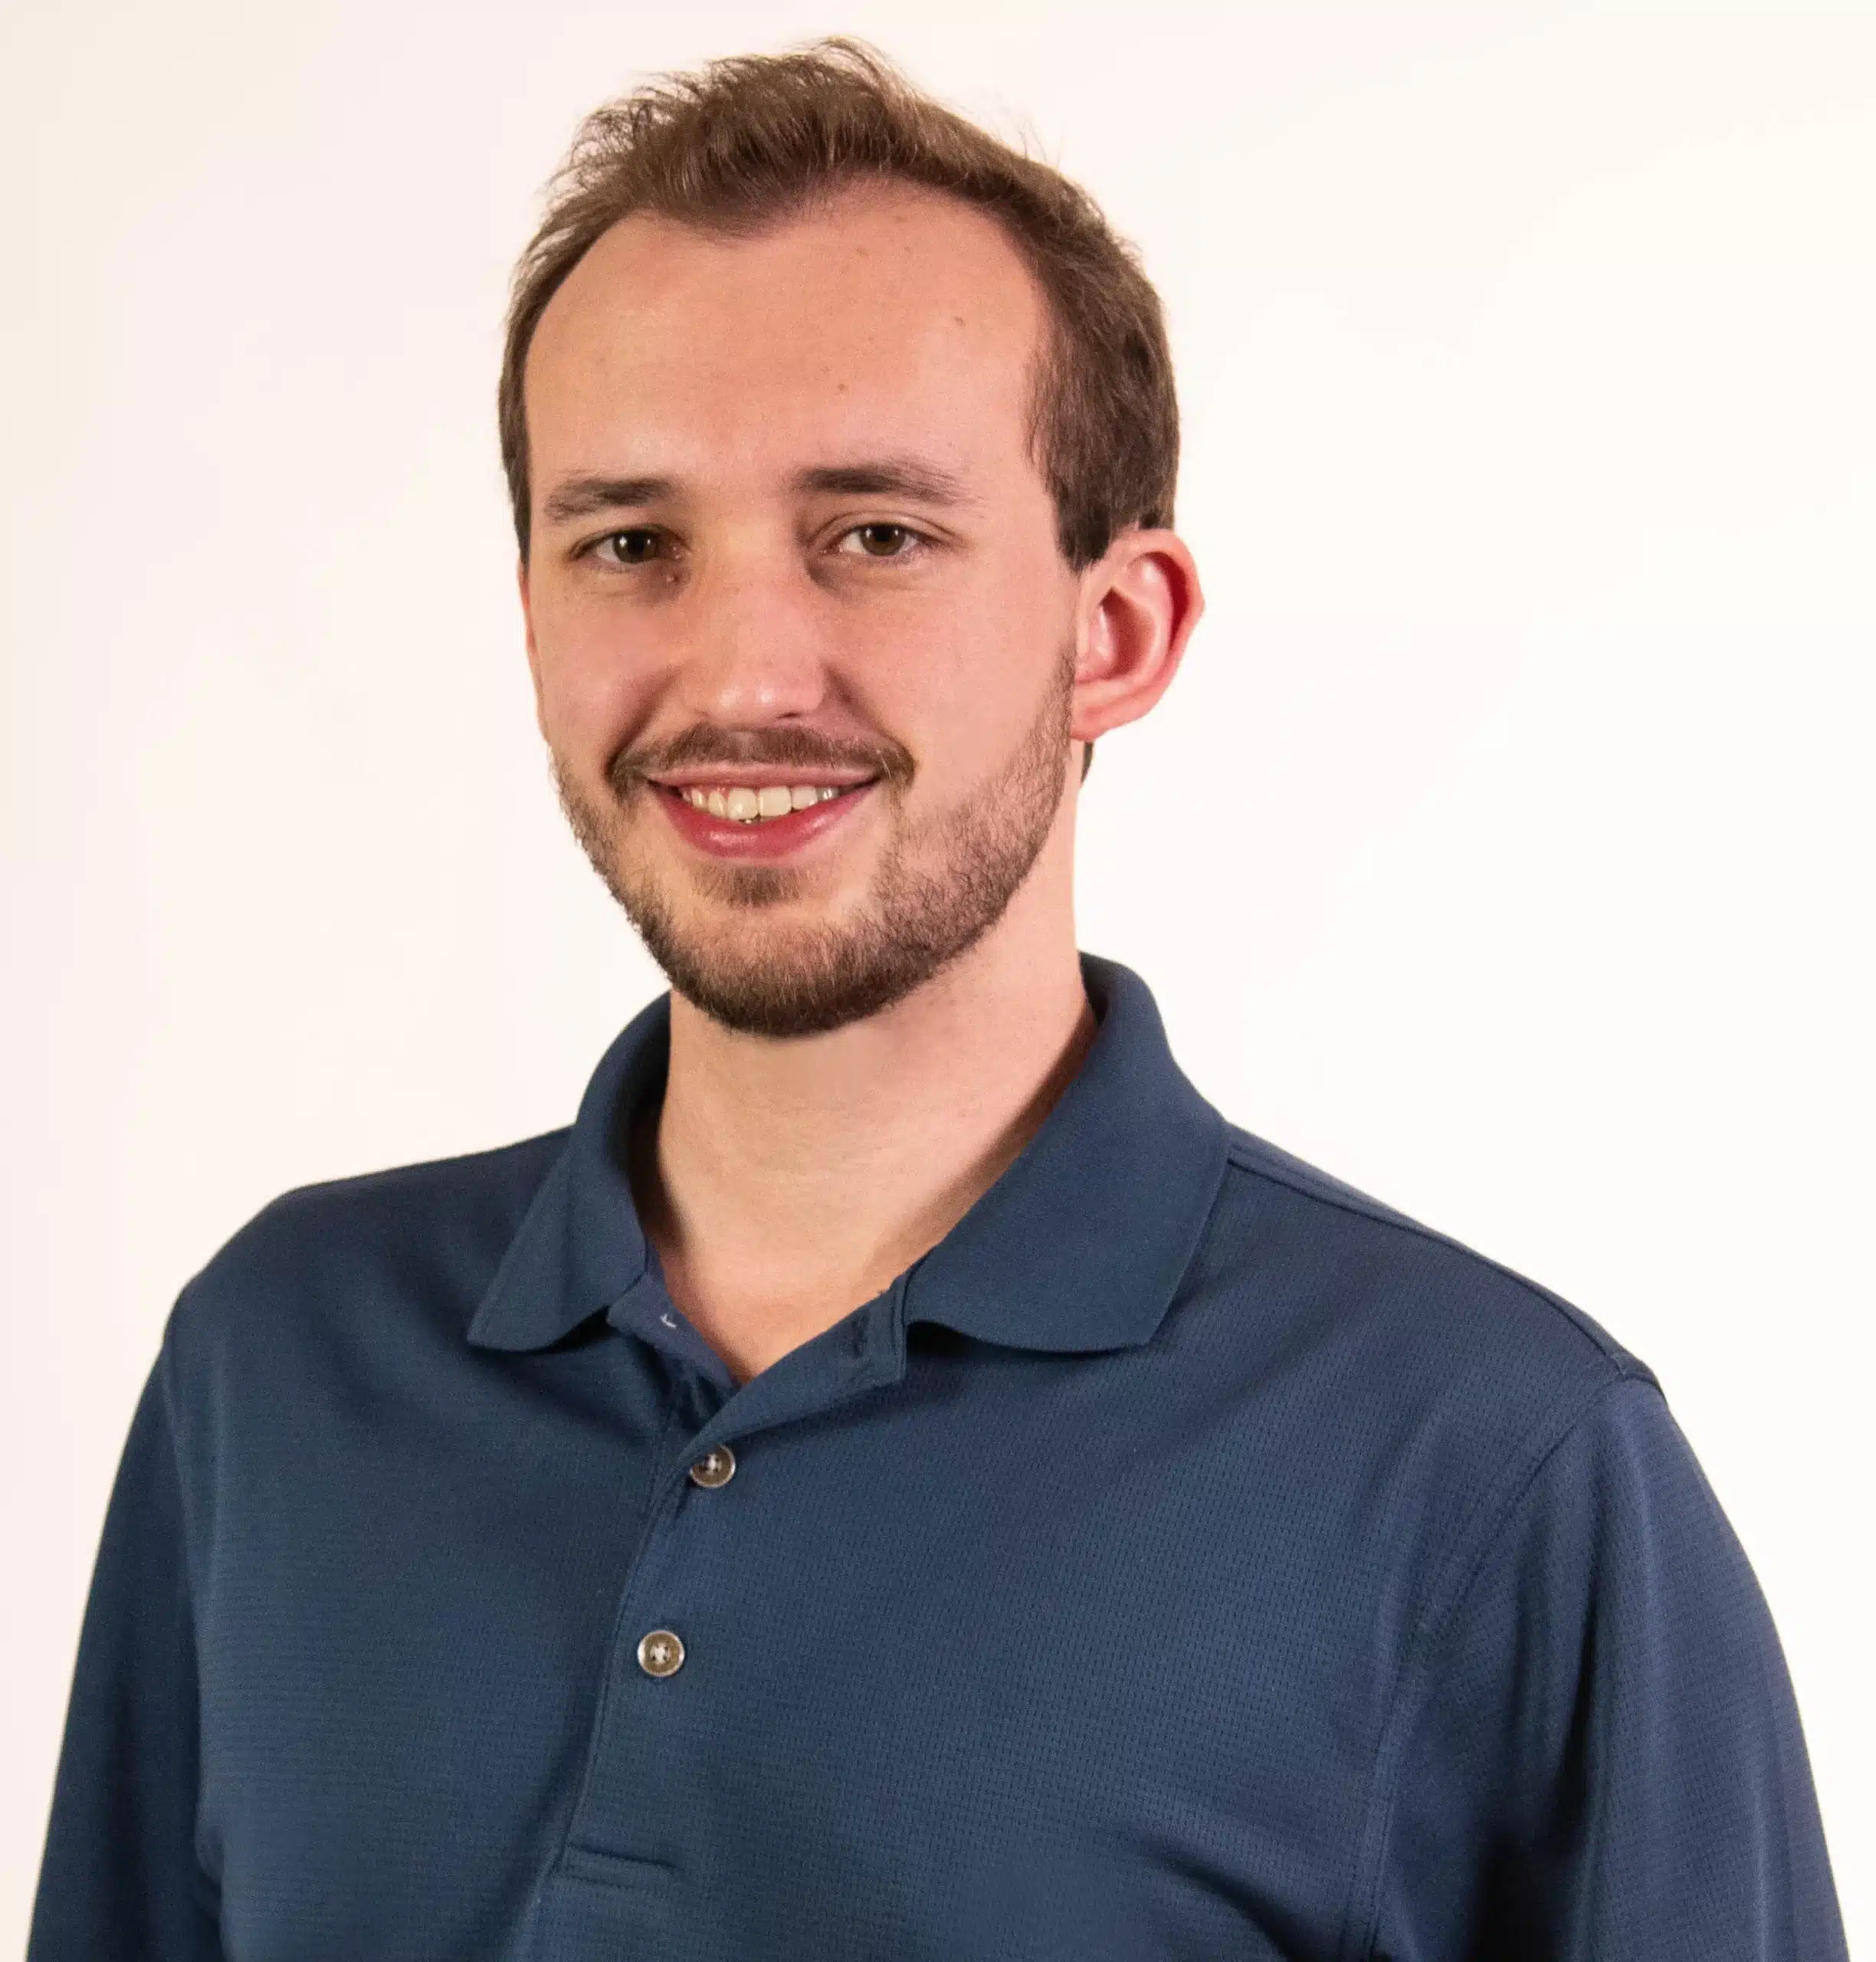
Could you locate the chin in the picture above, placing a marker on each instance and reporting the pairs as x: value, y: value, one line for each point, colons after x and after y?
x: 770, y: 1000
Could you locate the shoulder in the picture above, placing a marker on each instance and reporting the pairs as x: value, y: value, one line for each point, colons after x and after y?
x: 1441, y: 1289
x: 422, y: 1239
x: 1395, y: 1359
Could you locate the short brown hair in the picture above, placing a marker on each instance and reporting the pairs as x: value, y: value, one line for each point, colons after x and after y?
x: 750, y: 140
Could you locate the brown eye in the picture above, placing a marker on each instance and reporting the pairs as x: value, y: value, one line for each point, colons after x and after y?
x: 882, y: 541
x: 636, y: 547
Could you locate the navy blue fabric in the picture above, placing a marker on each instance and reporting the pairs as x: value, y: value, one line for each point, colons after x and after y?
x: 1187, y: 1558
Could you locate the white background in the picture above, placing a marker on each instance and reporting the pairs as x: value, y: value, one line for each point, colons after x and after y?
x: 1504, y: 847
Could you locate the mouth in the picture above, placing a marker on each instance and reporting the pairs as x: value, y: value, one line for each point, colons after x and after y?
x: 752, y: 804
x: 757, y: 821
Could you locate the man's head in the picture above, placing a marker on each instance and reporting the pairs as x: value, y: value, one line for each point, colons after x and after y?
x: 841, y: 442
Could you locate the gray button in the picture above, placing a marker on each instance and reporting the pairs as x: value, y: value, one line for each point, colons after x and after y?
x: 716, y: 1467
x: 661, y: 1653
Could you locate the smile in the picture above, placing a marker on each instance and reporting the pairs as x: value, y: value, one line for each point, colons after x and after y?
x: 759, y: 823
x: 745, y: 806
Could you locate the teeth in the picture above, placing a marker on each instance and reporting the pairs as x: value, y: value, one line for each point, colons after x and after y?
x: 750, y: 806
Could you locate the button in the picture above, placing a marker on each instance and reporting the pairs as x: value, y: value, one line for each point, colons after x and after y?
x: 715, y: 1468
x: 659, y: 1653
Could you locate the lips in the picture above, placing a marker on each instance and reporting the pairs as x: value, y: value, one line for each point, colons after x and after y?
x: 752, y: 804
x: 758, y: 838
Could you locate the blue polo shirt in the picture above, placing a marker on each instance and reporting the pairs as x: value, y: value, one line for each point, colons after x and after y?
x: 1186, y: 1558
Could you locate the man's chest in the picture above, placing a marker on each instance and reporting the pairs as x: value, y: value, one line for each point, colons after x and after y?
x: 917, y: 1677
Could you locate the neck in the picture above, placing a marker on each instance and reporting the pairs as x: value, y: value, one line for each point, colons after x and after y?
x: 785, y: 1182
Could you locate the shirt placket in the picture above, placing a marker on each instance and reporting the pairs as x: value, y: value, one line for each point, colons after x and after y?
x: 621, y: 1869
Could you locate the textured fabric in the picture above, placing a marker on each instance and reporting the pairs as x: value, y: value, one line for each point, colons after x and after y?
x: 1187, y: 1558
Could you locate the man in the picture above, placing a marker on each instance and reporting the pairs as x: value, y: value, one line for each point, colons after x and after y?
x: 900, y: 1476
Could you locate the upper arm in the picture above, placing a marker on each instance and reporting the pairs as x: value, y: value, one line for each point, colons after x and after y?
x: 1605, y: 1760
x: 120, y: 1877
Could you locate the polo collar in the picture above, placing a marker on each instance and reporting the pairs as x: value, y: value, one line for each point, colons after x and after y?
x: 1079, y: 1245
x: 579, y: 1246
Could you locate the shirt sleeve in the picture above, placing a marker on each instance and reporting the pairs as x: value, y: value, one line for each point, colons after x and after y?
x: 120, y: 1879
x: 1606, y: 1764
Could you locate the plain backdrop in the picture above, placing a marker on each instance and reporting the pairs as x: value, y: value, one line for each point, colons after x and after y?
x: 1503, y: 847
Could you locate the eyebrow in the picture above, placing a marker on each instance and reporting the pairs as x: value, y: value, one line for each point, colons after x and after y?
x: 885, y: 476
x: 581, y: 496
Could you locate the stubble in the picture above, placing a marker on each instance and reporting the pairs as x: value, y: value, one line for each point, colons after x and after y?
x: 940, y: 886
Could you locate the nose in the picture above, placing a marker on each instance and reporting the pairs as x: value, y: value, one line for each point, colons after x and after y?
x: 755, y: 652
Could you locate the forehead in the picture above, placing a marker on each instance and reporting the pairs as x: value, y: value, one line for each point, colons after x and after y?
x: 893, y: 317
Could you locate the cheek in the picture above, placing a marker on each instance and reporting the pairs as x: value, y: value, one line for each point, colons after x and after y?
x: 595, y: 686
x: 1001, y: 656
x: 963, y: 693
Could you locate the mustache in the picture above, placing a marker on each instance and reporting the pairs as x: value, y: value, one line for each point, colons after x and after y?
x: 784, y: 747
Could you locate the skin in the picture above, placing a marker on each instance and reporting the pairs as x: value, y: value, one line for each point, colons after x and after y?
x: 786, y: 1179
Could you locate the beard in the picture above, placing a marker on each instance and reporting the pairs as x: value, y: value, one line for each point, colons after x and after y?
x: 941, y: 885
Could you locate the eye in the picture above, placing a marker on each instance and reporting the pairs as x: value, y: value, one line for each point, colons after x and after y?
x: 637, y: 546
x: 880, y: 540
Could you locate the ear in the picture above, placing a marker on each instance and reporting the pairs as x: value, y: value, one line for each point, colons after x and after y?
x: 1140, y: 603
x: 533, y: 651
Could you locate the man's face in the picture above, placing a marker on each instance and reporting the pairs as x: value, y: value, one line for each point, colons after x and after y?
x: 789, y: 540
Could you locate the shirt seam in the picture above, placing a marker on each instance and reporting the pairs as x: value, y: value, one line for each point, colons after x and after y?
x: 377, y: 1178
x: 204, y: 1887
x: 1459, y: 1575
x: 165, y: 1367
x: 1604, y: 1346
